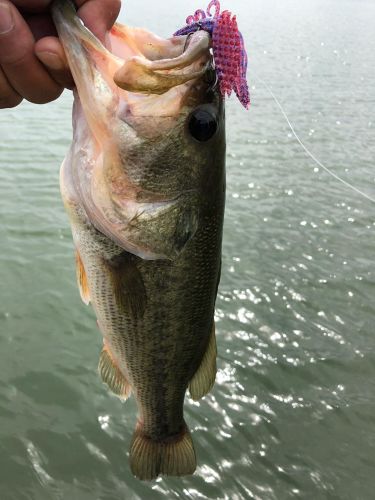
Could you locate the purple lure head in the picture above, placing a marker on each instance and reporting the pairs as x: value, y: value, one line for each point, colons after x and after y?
x: 228, y: 49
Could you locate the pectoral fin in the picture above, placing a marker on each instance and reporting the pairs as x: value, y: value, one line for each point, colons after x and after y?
x: 82, y: 280
x: 112, y: 376
x: 204, y: 378
x: 128, y: 286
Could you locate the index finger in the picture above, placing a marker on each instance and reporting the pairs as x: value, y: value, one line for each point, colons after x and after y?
x: 99, y: 15
x: 23, y: 70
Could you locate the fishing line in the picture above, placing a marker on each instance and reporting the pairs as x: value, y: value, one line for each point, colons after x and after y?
x: 308, y: 152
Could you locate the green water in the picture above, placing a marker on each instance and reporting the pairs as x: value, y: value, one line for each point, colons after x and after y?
x: 292, y: 414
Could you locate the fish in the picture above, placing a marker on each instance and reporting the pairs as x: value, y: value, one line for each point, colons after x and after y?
x: 143, y: 185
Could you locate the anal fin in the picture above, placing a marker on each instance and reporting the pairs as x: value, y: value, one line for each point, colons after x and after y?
x: 204, y: 378
x: 112, y: 376
x: 82, y: 280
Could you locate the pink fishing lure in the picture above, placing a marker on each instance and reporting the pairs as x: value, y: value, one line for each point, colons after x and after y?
x: 228, y: 49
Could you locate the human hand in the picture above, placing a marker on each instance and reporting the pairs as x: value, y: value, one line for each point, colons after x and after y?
x: 32, y: 61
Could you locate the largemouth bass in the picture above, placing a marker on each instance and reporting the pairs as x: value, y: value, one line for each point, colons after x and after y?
x: 144, y: 188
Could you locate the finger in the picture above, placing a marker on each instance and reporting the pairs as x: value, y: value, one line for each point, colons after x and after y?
x: 32, y: 5
x: 99, y: 15
x: 8, y: 97
x: 23, y: 70
x: 40, y: 25
x: 50, y: 52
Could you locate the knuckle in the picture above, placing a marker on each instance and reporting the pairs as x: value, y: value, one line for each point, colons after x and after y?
x: 10, y: 101
x: 14, y: 59
x: 46, y: 97
x: 62, y: 78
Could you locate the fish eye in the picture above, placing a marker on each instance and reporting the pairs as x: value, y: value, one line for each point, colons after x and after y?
x: 202, y: 125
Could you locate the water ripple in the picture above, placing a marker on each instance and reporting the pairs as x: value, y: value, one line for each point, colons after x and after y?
x: 291, y: 414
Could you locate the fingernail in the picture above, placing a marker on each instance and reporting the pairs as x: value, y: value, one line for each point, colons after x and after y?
x: 51, y: 60
x: 6, y: 18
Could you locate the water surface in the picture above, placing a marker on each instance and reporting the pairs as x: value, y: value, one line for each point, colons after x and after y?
x: 292, y: 413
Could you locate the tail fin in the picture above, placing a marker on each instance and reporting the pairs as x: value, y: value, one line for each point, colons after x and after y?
x: 172, y: 457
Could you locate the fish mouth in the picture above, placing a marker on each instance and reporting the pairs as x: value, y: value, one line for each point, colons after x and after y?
x: 141, y: 74
x: 138, y: 72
